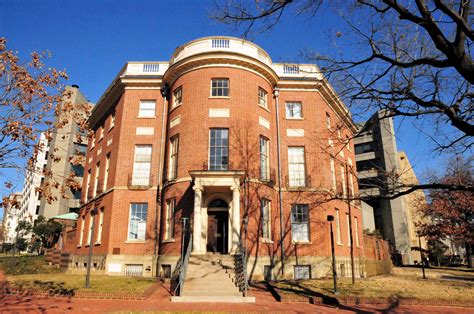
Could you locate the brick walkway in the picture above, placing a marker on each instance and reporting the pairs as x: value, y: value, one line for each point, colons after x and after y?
x: 159, y: 301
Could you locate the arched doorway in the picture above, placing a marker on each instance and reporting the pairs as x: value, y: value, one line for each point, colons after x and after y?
x: 218, y: 226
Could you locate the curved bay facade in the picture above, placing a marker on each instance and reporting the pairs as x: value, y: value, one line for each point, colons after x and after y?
x: 240, y: 151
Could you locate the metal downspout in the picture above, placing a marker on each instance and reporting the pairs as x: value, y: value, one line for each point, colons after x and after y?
x: 280, y: 195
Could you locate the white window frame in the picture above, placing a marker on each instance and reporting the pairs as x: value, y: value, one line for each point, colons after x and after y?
x: 292, y: 112
x: 101, y: 223
x: 298, y: 214
x: 147, y: 108
x: 173, y: 159
x: 304, y: 270
x: 351, y: 178
x: 356, y: 230
x: 142, y: 165
x: 106, y: 174
x: 332, y: 165
x: 220, y: 90
x: 262, y: 98
x: 266, y: 209
x: 348, y: 230
x: 141, y: 224
x: 170, y: 219
x: 88, y: 183
x: 338, y: 228
x: 112, y: 120
x: 96, y: 179
x: 343, y: 181
x: 90, y: 230
x: 177, y: 97
x: 296, y: 166
x: 216, y: 146
x: 83, y: 225
x: 264, y: 159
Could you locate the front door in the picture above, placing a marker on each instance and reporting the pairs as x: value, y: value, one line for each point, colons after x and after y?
x: 217, y: 229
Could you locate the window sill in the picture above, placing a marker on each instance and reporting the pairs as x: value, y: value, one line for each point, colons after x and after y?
x: 169, y: 241
x: 264, y: 108
x: 135, y: 241
x: 301, y: 242
x: 290, y: 118
x: 79, y: 246
x: 154, y: 117
x: 110, y: 129
x: 217, y: 97
x: 87, y: 245
x: 97, y: 243
x: 265, y: 240
x: 340, y: 244
x: 100, y: 139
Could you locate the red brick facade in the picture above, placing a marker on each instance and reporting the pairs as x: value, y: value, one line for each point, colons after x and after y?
x: 191, y: 121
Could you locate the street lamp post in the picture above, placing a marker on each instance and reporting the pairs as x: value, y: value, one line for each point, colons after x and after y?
x: 91, y: 244
x: 330, y: 218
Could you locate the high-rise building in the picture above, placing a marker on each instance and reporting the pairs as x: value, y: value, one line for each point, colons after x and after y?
x: 240, y: 150
x: 10, y: 217
x: 64, y: 144
x: 381, y: 167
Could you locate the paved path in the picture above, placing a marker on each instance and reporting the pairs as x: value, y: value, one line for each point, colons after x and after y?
x: 159, y: 302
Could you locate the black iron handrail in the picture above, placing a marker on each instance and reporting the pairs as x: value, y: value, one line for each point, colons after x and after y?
x: 240, y: 264
x: 179, y: 273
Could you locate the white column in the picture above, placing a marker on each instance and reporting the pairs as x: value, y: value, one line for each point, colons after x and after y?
x: 235, y: 218
x: 197, y: 225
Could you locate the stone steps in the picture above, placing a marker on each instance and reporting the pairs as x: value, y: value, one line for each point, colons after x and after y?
x: 210, y: 278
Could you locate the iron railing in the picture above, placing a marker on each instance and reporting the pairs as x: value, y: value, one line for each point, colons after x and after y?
x: 179, y: 274
x: 240, y: 264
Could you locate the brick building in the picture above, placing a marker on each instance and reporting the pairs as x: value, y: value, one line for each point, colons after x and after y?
x: 200, y: 137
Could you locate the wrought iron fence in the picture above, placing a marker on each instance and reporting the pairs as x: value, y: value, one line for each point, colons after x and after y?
x: 179, y: 274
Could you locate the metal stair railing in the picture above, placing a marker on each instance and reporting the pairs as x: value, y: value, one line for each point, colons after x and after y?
x: 240, y: 264
x: 179, y: 273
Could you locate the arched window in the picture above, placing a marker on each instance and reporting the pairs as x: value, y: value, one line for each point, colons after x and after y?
x: 218, y: 203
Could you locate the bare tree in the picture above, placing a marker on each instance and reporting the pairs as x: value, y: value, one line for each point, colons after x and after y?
x: 32, y: 101
x: 413, y: 58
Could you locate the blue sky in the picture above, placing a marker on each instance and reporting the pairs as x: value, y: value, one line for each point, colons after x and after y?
x: 93, y: 39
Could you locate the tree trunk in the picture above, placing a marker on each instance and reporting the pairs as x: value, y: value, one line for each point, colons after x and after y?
x: 469, y: 255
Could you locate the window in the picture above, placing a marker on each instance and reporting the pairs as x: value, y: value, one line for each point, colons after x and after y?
x: 293, y: 110
x: 173, y: 171
x: 363, y: 148
x: 88, y: 184
x: 266, y: 226
x: 300, y: 223
x: 328, y: 121
x: 96, y: 180
x: 356, y: 229
x: 106, y: 176
x: 78, y: 170
x: 264, y: 159
x: 351, y: 178
x: 101, y: 132
x: 220, y: 87
x: 92, y: 141
x: 262, y: 98
x: 141, y: 165
x: 112, y: 120
x: 83, y: 224
x: 338, y: 228
x: 296, y: 166
x: 147, y: 109
x: 302, y: 272
x: 343, y: 181
x: 89, y: 234
x: 177, y: 97
x: 372, y: 164
x: 267, y: 272
x: 101, y: 223
x: 333, y: 174
x: 137, y: 221
x: 80, y: 149
x: 169, y: 228
x: 348, y: 230
x: 219, y: 149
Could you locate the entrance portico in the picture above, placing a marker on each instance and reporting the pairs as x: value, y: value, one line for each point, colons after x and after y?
x: 208, y: 187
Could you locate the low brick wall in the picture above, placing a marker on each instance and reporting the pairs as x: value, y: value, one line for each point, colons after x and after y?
x: 377, y: 256
x: 56, y: 257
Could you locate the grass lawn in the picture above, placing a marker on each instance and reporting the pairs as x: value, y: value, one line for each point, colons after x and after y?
x: 403, y: 283
x: 74, y: 283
